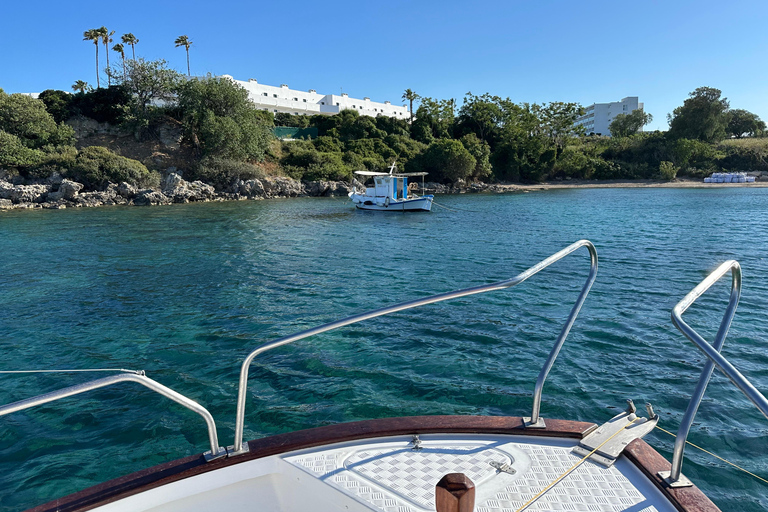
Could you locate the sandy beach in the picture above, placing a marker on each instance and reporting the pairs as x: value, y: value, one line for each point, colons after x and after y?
x: 678, y: 183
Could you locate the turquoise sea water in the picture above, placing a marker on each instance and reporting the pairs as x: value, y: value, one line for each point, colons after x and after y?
x: 185, y: 292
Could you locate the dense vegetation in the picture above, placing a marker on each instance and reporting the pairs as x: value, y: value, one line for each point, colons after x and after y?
x: 487, y: 138
x: 493, y: 138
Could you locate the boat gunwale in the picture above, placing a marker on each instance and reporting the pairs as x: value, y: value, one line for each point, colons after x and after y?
x: 642, y: 455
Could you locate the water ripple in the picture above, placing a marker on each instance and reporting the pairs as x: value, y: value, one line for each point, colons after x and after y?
x: 185, y: 292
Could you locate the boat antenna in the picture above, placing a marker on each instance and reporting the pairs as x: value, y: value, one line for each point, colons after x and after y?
x: 392, y: 167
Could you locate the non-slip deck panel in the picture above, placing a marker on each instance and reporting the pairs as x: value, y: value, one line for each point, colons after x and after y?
x: 180, y: 469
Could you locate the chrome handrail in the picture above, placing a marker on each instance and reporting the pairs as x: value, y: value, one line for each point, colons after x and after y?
x: 674, y: 477
x: 534, y: 421
x: 216, y: 450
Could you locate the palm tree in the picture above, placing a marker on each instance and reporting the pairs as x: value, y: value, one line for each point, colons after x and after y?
x: 121, y: 50
x: 186, y: 43
x: 93, y: 35
x: 106, y: 38
x: 131, y: 40
x: 81, y: 86
x: 411, y: 96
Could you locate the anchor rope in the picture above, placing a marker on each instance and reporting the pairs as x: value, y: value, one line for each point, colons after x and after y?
x: 570, y: 470
x: 715, y: 456
x: 451, y: 209
x: 137, y: 372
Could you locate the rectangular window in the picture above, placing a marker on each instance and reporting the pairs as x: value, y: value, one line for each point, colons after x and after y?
x: 264, y: 94
x: 305, y: 100
x: 274, y: 95
x: 322, y: 103
x: 295, y: 99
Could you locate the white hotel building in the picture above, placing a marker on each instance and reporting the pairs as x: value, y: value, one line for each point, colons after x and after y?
x: 290, y: 101
x: 598, y: 116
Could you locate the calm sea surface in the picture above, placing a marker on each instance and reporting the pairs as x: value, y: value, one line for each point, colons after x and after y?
x: 185, y: 292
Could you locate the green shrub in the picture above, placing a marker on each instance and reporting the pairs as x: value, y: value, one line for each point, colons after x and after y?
x: 328, y: 166
x: 57, y: 103
x: 481, y: 151
x: 695, y: 153
x: 605, y: 170
x: 371, y: 148
x: 667, y: 171
x: 221, y: 121
x: 27, y: 119
x: 105, y: 105
x: 404, y: 147
x: 95, y: 166
x: 223, y: 172
x: 745, y: 155
x: 327, y: 144
x: 55, y: 160
x: 13, y: 153
x: 445, y: 160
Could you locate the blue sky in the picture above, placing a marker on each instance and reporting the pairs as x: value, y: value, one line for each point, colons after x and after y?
x: 586, y: 52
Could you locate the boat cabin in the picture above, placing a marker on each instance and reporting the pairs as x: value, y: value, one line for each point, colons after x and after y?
x: 393, y: 187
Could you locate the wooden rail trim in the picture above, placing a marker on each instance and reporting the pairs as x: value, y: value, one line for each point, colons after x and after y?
x: 692, y: 500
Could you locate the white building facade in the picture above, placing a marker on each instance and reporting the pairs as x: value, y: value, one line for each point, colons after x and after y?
x: 598, y: 116
x: 307, y: 103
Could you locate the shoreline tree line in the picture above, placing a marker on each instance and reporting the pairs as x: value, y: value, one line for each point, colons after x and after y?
x: 486, y: 137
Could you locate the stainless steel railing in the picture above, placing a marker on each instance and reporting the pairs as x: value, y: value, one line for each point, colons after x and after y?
x: 534, y: 421
x: 216, y: 450
x: 674, y: 477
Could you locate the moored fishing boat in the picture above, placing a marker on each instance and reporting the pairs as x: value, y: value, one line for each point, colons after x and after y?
x: 426, y: 463
x: 390, y: 193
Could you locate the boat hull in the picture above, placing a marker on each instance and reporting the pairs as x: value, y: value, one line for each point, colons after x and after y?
x: 418, y: 204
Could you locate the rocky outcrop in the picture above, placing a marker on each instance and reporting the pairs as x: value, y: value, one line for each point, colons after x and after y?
x: 327, y: 188
x: 127, y: 191
x: 104, y: 198
x: 29, y: 193
x: 87, y: 127
x: 179, y: 191
x: 252, y: 189
x: 281, y: 186
x: 6, y: 189
x: 149, y: 197
x: 67, y: 190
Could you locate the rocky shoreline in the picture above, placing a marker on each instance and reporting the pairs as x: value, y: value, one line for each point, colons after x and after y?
x: 58, y: 193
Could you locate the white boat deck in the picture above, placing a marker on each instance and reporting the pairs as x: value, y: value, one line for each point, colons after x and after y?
x: 393, y: 477
x: 387, y: 474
